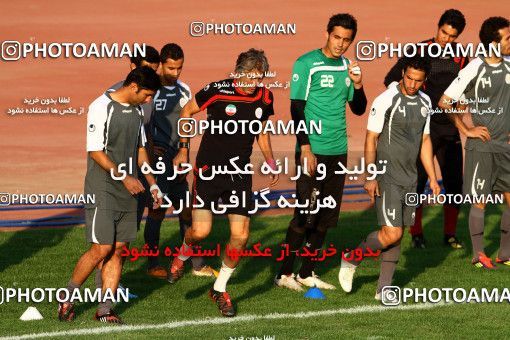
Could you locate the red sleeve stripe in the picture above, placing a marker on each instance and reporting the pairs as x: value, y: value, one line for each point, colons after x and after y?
x: 267, y: 98
x: 237, y: 89
x: 462, y: 62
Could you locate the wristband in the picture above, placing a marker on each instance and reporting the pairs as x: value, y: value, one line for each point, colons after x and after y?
x: 184, y: 145
x: 155, y: 187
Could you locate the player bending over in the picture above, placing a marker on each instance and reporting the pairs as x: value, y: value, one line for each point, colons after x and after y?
x: 240, y: 99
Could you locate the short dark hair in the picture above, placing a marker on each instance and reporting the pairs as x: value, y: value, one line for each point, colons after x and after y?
x: 151, y: 56
x: 489, y: 30
x: 172, y: 51
x: 454, y: 18
x: 345, y: 20
x: 252, y: 59
x: 145, y: 77
x: 418, y: 63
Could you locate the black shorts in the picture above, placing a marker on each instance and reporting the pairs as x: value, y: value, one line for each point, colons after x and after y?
x: 306, y: 187
x: 221, y: 189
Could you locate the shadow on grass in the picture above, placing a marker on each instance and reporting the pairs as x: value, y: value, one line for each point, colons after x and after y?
x: 135, y: 273
x: 24, y: 244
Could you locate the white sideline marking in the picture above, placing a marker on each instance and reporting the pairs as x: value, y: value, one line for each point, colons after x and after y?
x: 224, y: 320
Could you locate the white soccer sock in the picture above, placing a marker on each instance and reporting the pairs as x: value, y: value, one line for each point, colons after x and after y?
x: 184, y: 248
x: 220, y: 285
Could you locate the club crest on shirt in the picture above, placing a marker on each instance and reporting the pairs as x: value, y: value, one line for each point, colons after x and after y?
x: 347, y: 81
x: 295, y: 77
x: 92, y: 128
x: 507, y: 78
x: 258, y: 112
x: 230, y: 110
x: 424, y: 111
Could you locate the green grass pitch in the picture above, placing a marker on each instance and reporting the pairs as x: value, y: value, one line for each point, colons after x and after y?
x: 45, y: 258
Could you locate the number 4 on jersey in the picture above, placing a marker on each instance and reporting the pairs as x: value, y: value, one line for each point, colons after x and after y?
x: 391, y: 213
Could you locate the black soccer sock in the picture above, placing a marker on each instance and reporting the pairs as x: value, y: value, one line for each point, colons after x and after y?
x: 98, y: 279
x: 476, y: 227
x: 294, y: 239
x: 371, y: 242
x: 315, y: 241
x: 504, y: 243
x: 389, y: 260
x: 151, y: 235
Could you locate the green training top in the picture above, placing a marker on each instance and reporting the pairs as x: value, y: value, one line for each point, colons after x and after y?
x: 325, y: 85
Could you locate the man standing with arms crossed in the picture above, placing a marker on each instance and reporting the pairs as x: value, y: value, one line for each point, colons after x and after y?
x: 486, y: 83
x: 323, y: 81
x: 444, y: 135
x: 115, y: 135
x: 397, y: 132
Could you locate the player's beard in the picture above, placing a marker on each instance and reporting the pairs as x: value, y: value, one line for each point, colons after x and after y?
x: 170, y: 81
x: 406, y: 89
x: 411, y: 92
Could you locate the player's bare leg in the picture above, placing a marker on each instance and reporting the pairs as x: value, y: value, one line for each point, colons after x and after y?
x: 89, y: 261
x: 111, y: 271
x: 82, y: 270
x: 239, y: 233
x: 98, y: 279
x: 199, y: 266
x: 200, y: 229
x: 112, y: 268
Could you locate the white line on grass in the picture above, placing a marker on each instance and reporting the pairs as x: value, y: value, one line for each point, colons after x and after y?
x: 223, y: 320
